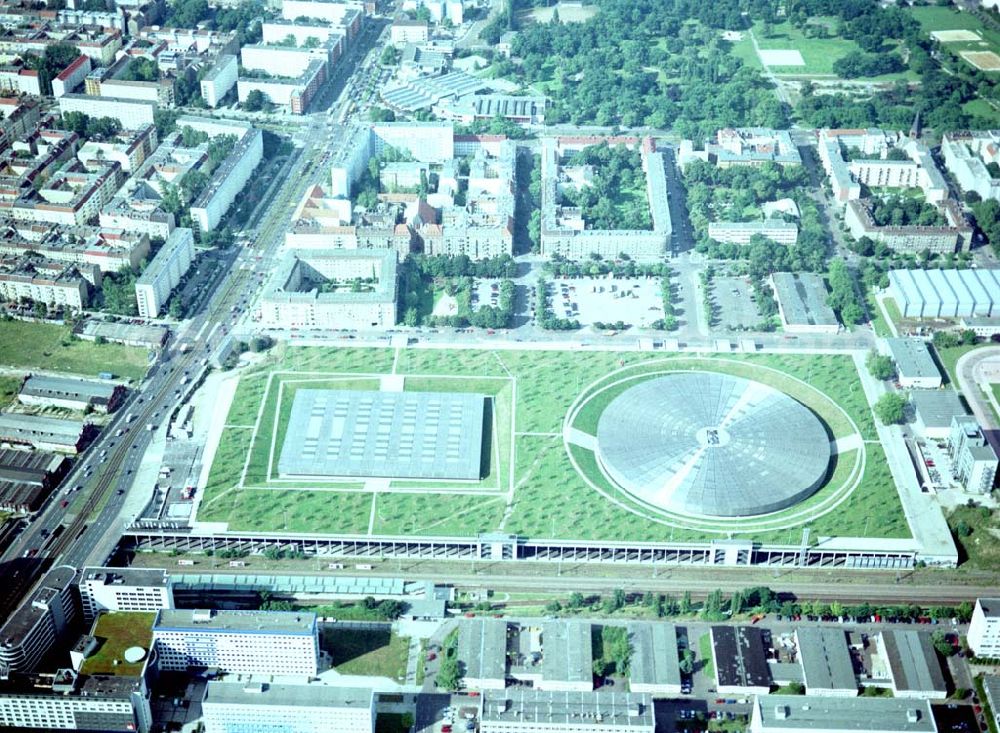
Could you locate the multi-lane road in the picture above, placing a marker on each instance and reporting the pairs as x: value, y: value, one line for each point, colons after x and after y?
x: 87, y: 529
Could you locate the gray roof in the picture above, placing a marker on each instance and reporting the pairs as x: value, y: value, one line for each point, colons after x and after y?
x: 794, y: 712
x: 991, y: 686
x: 826, y: 660
x: 936, y: 408
x: 306, y: 584
x: 912, y: 357
x: 306, y: 696
x: 567, y: 653
x: 430, y: 435
x: 68, y: 387
x: 654, y: 658
x: 482, y: 648
x: 295, y: 623
x: 990, y: 606
x: 383, y: 269
x: 179, y: 237
x: 713, y: 445
x: 580, y: 710
x: 803, y: 299
x: 32, y: 427
x: 35, y: 609
x: 151, y: 577
x: 913, y: 662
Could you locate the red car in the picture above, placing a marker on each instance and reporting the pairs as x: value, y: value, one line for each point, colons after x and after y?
x: 64, y: 503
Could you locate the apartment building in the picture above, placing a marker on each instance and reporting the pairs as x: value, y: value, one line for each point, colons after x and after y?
x: 741, y: 232
x: 45, y: 281
x: 984, y: 628
x: 221, y: 77
x: 974, y: 460
x: 966, y: 155
x: 164, y: 272
x: 954, y: 236
x: 33, y: 629
x: 131, y: 113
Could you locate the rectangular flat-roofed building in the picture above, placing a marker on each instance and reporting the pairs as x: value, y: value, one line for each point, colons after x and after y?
x: 974, y: 461
x: 482, y: 652
x: 984, y: 628
x: 740, y: 660
x: 935, y: 410
x: 915, y: 367
x: 523, y: 710
x: 71, y: 393
x: 44, y: 433
x: 164, y: 272
x: 654, y: 665
x: 913, y: 664
x: 31, y: 631
x: 826, y: 662
x: 932, y: 293
x: 248, y: 642
x: 796, y: 714
x: 27, y: 478
x: 417, y: 435
x: 124, y: 589
x: 567, y: 657
x: 802, y: 303
x: 264, y: 707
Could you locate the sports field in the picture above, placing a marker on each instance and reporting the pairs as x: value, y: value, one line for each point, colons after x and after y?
x: 537, y: 482
x: 961, y: 33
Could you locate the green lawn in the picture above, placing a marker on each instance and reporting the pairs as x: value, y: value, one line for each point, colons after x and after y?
x: 983, y: 109
x: 705, y: 655
x: 949, y: 359
x: 53, y: 348
x: 9, y: 387
x: 116, y: 632
x: 996, y: 394
x: 979, y: 549
x: 366, y: 651
x: 551, y: 499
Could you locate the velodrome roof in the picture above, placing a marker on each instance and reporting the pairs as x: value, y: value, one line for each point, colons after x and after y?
x: 429, y: 435
x: 712, y: 444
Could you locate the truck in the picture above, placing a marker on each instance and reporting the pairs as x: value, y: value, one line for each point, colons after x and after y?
x: 105, y: 375
x: 150, y: 427
x: 130, y: 417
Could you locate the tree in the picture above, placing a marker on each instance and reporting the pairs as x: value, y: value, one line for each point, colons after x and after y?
x: 942, y: 644
x: 256, y: 101
x: 575, y: 600
x: 687, y: 662
x: 880, y: 366
x: 891, y: 408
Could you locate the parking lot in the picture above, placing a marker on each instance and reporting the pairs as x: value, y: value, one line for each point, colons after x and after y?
x: 735, y: 307
x: 636, y: 301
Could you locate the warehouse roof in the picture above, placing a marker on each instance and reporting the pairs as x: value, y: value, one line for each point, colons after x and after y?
x: 826, y: 660
x: 803, y: 299
x: 524, y: 706
x: 567, y: 654
x: 68, y: 388
x: 30, y: 427
x: 654, y: 654
x: 913, y: 662
x: 936, y: 408
x: 912, y: 357
x: 740, y: 658
x: 482, y: 648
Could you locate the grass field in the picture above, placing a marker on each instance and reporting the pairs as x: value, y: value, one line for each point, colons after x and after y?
x: 366, y: 651
x: 50, y: 347
x: 934, y: 18
x: 9, y: 387
x: 705, y: 656
x: 537, y: 492
x: 115, y: 633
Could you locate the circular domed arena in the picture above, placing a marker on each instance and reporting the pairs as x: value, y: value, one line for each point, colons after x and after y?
x: 712, y: 445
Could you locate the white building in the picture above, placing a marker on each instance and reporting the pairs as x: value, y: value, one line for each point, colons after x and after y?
x: 161, y: 276
x: 256, y: 707
x: 428, y: 142
x: 232, y: 174
x: 798, y: 714
x: 915, y: 367
x: 123, y: 589
x: 524, y: 710
x: 966, y: 155
x: 740, y: 232
x: 19, y: 80
x: 332, y: 11
x: 946, y: 293
x: 315, y: 289
x: 984, y: 629
x: 405, y: 31
x: 243, y: 642
x: 219, y: 80
x: 439, y: 10
x: 133, y: 114
x: 73, y: 75
x: 974, y: 460
x: 32, y: 630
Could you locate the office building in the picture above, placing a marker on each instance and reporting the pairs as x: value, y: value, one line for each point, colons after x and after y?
x: 39, y: 622
x: 741, y: 232
x: 915, y: 367
x: 524, y: 710
x: 984, y: 628
x: 264, y: 707
x: 974, y: 461
x: 482, y: 653
x: 123, y: 589
x: 826, y: 662
x: 313, y: 289
x: 796, y: 714
x: 913, y: 664
x: 654, y: 664
x: 162, y: 275
x: 44, y: 433
x: 946, y: 293
x: 245, y: 642
x: 967, y: 155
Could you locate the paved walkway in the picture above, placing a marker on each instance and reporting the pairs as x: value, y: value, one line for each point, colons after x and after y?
x: 413, y: 661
